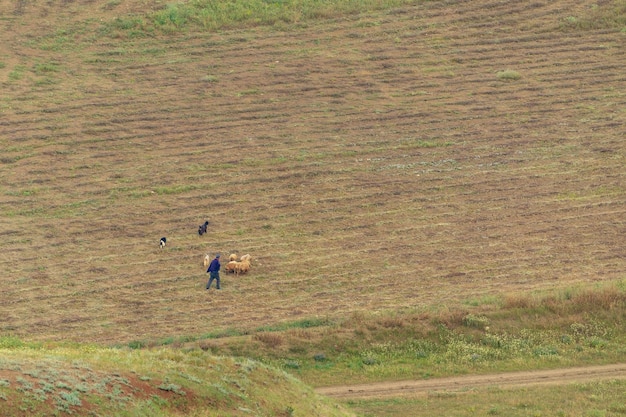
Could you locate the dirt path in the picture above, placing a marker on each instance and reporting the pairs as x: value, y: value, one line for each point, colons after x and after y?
x: 464, y: 383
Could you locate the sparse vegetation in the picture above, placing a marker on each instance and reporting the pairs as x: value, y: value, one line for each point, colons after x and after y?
x: 581, y: 400
x: 609, y: 14
x: 17, y: 73
x: 45, y: 68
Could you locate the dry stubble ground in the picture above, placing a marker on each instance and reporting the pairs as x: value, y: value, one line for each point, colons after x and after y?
x: 372, y: 163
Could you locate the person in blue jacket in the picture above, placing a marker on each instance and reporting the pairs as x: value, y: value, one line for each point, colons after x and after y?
x: 214, y: 272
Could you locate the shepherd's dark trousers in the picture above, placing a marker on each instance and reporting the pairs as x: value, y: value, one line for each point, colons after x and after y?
x: 213, y: 276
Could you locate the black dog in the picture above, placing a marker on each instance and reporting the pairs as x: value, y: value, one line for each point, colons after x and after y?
x: 202, y: 228
x: 162, y: 242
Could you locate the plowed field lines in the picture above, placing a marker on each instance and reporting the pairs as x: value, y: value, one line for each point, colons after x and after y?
x: 374, y: 162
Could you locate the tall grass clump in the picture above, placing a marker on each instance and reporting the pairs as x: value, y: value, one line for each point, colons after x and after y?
x: 173, y: 16
x: 508, y: 75
x: 606, y: 299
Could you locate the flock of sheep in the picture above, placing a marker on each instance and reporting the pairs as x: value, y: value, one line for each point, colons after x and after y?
x: 234, y: 266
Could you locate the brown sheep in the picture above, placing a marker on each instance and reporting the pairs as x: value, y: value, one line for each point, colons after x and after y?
x: 238, y: 267
x: 207, y: 260
x: 242, y: 267
x: 232, y: 257
x: 231, y: 266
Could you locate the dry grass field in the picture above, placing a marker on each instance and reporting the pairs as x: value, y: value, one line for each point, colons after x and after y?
x: 407, y: 160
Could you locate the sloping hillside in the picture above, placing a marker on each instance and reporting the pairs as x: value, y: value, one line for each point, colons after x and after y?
x: 407, y: 159
x: 47, y: 380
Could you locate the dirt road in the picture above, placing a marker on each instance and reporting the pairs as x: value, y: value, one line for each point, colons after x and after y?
x: 464, y: 383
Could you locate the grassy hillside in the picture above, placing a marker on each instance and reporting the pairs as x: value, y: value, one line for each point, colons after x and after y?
x: 513, y: 333
x: 61, y: 379
x: 399, y: 158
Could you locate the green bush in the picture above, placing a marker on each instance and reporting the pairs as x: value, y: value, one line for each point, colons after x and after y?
x: 136, y: 344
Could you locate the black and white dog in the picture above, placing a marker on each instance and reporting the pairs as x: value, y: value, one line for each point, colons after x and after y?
x: 202, y: 228
x: 163, y: 241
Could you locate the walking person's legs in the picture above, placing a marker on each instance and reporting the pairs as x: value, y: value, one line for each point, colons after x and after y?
x: 214, y: 276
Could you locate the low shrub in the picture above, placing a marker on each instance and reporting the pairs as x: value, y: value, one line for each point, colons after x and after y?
x: 508, y: 75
